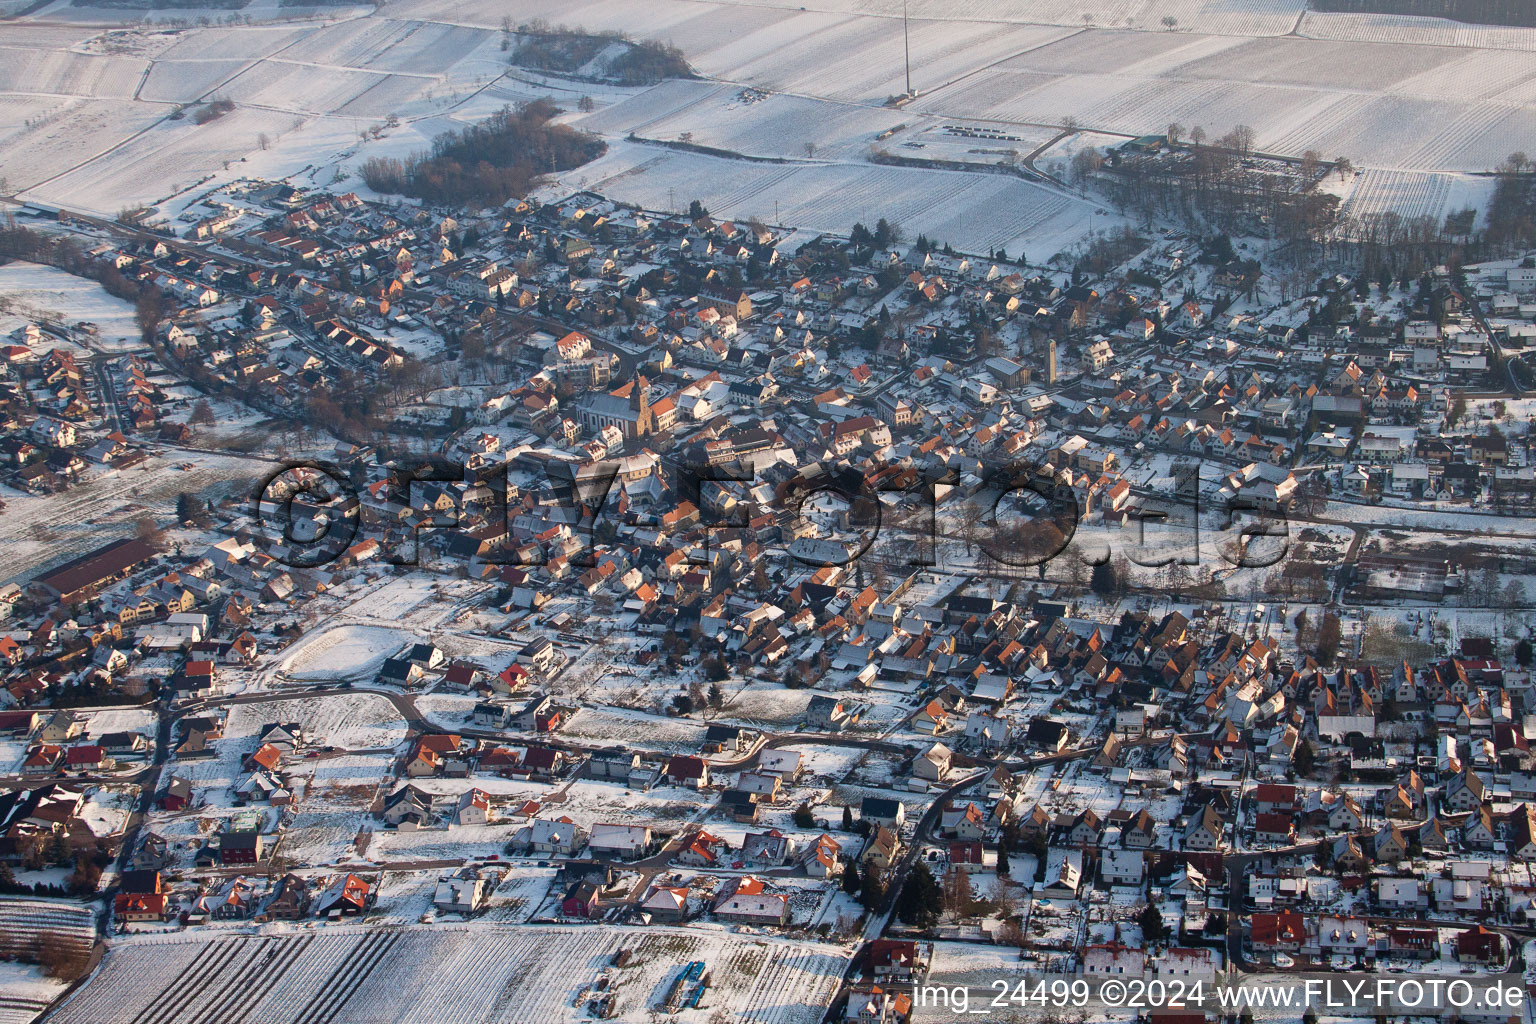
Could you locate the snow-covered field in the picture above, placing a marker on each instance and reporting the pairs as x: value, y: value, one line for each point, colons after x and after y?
x: 342, y: 652
x: 30, y: 290
x: 972, y: 211
x: 353, y: 721
x: 40, y: 531
x: 85, y: 116
x: 478, y: 972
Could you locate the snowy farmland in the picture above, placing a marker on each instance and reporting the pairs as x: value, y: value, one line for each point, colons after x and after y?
x: 90, y: 119
x: 971, y: 211
x: 484, y: 972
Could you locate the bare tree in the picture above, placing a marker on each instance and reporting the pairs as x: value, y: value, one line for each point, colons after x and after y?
x: 1170, y: 22
x: 262, y: 142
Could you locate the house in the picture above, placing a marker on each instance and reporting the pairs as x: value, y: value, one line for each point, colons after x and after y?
x: 346, y: 896
x: 933, y: 763
x: 728, y: 739
x: 408, y: 808
x: 784, y: 763
x: 687, y: 770
x: 1123, y: 867
x: 1114, y: 959
x: 669, y: 903
x: 132, y: 908
x: 556, y: 836
x: 1064, y: 882
x: 767, y: 849
x: 1283, y: 932
x: 1206, y: 831
x: 1273, y: 827
x: 1478, y: 945
x: 829, y: 714
x: 880, y: 810
x: 880, y: 849
x: 876, y: 1005
x: 897, y: 961
x: 967, y: 823
x: 702, y: 850
x: 240, y: 847
x: 177, y: 794
x: 754, y: 908
x: 1047, y: 735
x: 474, y: 808
x: 462, y: 893
x: 580, y: 900
x: 288, y: 902
x: 621, y: 842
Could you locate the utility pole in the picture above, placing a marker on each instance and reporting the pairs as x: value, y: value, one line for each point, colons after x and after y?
x: 906, y: 43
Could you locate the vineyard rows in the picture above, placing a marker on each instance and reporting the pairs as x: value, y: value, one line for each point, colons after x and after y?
x: 472, y: 974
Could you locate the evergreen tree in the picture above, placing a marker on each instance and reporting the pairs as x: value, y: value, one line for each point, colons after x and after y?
x: 922, y: 898
x: 847, y: 819
x: 804, y: 816
x: 1105, y: 581
x: 871, y: 887
x: 1151, y: 921
x: 187, y: 507
x: 851, y: 883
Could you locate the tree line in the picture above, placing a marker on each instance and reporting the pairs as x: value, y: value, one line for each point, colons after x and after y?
x: 488, y: 163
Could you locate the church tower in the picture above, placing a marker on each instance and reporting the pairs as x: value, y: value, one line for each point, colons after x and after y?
x: 640, y: 402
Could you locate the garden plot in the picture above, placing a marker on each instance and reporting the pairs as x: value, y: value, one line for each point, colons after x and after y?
x: 399, y: 597
x: 390, y: 94
x: 478, y: 971
x: 520, y: 894
x: 106, y: 809
x: 825, y: 765
x: 343, y: 652
x: 28, y: 991
x: 1505, y: 76
x: 19, y: 112
x: 325, y: 825
x: 861, y: 58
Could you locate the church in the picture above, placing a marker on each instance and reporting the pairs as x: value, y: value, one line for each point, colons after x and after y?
x: 627, y: 407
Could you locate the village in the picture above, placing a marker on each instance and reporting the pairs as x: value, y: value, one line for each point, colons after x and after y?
x: 931, y: 615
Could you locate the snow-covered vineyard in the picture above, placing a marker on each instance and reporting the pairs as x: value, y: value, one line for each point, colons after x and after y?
x: 92, y: 121
x: 481, y: 973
